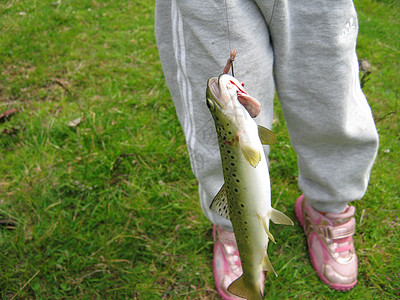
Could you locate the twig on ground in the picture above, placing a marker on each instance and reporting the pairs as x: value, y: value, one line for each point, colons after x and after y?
x: 26, y: 283
x: 362, y: 216
x: 385, y: 116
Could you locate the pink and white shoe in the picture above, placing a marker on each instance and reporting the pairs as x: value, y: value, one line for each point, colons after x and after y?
x: 330, y: 244
x: 226, y: 262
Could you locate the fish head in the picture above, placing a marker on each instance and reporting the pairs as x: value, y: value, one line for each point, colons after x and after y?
x: 229, y: 103
x: 221, y: 108
x: 226, y: 90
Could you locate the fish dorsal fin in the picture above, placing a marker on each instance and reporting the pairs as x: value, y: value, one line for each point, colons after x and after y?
x: 264, y: 223
x: 279, y: 217
x: 241, y: 289
x: 267, y: 137
x: 252, y: 155
x: 220, y: 203
x: 266, y: 264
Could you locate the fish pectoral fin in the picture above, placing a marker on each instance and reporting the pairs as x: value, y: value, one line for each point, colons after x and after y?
x: 220, y: 203
x: 240, y: 289
x: 265, y: 225
x: 279, y: 217
x: 252, y: 155
x: 267, y: 137
x: 266, y: 264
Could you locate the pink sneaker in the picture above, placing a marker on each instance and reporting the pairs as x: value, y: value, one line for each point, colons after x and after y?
x: 226, y: 262
x: 330, y: 244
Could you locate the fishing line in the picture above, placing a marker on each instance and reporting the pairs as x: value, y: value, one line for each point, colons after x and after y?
x: 229, y: 32
x: 227, y: 26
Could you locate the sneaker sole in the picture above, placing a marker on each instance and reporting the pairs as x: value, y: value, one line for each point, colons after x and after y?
x: 334, y: 286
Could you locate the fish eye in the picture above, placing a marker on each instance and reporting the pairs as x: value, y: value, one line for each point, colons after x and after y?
x: 210, y: 104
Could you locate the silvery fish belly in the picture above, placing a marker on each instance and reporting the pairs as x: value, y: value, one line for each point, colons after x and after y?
x: 245, y: 197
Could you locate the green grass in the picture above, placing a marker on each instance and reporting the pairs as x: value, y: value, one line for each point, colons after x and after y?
x: 109, y: 208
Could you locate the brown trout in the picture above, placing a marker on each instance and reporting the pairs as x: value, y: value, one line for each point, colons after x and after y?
x: 245, y: 197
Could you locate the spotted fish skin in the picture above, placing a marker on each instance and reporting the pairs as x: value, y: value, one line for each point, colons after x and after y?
x: 245, y: 197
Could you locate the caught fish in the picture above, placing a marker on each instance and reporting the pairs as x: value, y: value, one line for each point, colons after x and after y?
x: 245, y: 197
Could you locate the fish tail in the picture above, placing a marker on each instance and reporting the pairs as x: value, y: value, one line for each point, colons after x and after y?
x: 241, y: 289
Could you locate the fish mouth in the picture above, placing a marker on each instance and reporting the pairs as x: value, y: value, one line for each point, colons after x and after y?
x: 214, y: 93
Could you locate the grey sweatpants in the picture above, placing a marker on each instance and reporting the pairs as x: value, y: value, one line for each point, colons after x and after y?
x: 303, y: 48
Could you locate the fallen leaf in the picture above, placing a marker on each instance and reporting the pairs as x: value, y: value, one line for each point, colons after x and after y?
x: 8, y: 113
x: 76, y: 122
